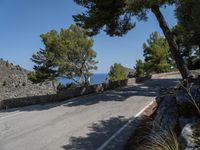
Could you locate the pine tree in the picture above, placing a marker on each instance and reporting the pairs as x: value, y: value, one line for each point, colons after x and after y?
x: 156, y: 54
x: 139, y: 68
x: 117, y: 72
x: 67, y: 54
x: 187, y: 32
x: 115, y: 17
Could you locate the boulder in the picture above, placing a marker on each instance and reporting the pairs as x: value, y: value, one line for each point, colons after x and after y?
x: 14, y: 83
x: 183, y: 120
x: 190, y: 137
x: 167, y: 113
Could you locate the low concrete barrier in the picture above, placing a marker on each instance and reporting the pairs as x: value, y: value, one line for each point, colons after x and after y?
x: 161, y: 75
x: 76, y: 92
x: 141, y: 79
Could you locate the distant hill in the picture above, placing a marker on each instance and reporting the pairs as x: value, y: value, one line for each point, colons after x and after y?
x: 15, y: 83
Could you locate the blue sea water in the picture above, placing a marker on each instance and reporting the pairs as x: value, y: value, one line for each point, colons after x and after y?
x: 95, y: 79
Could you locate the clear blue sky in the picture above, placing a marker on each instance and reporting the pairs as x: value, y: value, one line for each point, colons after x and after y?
x: 22, y: 21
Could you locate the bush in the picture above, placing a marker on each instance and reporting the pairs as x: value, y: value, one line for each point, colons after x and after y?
x: 60, y: 87
x: 139, y: 68
x: 4, y: 83
x: 67, y: 86
x: 117, y: 72
x: 24, y: 84
x: 71, y: 85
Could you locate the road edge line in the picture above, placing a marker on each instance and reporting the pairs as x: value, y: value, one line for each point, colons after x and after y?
x: 123, y: 127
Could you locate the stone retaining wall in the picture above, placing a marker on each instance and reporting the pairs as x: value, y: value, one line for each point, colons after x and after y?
x: 61, y: 95
x: 70, y: 93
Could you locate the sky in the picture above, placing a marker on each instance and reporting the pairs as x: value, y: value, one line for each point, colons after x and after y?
x: 23, y: 21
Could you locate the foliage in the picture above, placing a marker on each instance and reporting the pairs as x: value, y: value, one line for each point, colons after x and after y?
x: 67, y: 86
x: 156, y: 54
x: 157, y: 57
x: 115, y: 17
x: 40, y: 75
x: 187, y: 31
x: 192, y: 96
x: 67, y: 54
x: 117, y: 72
x: 163, y: 140
x: 4, y: 83
x: 188, y: 14
x: 196, y: 134
x: 139, y: 68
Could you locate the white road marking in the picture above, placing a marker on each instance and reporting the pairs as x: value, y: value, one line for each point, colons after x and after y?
x: 4, y: 117
x: 123, y: 127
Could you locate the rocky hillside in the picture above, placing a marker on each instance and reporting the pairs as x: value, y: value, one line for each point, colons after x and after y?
x: 14, y: 83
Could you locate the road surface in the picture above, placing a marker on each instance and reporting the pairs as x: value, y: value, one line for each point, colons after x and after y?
x: 83, y: 123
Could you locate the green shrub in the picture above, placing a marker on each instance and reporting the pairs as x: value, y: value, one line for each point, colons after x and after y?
x: 139, y: 68
x: 4, y: 83
x: 24, y: 84
x: 67, y: 86
x: 117, y: 72
x: 162, y: 140
x: 71, y: 85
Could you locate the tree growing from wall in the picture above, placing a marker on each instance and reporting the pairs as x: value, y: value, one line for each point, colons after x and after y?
x: 67, y: 54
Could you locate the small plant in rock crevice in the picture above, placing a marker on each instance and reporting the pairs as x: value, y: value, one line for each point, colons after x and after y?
x: 4, y: 83
x: 161, y: 140
x: 192, y: 97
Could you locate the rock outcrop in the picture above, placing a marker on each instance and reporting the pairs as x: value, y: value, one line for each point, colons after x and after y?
x: 14, y: 83
x: 190, y: 137
x: 179, y: 112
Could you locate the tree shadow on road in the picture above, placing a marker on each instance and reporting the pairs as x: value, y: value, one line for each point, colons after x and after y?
x: 99, y: 133
x: 148, y: 89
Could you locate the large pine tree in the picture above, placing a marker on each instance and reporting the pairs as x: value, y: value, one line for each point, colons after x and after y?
x: 115, y: 17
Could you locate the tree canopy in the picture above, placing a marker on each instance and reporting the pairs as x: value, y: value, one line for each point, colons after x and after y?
x: 187, y: 31
x: 115, y: 17
x: 156, y: 54
x: 157, y: 57
x: 117, y: 72
x: 188, y: 15
x: 139, y: 68
x: 67, y: 54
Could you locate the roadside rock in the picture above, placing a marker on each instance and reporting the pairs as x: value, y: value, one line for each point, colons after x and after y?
x: 14, y: 83
x: 190, y: 137
x: 183, y: 121
x: 167, y: 113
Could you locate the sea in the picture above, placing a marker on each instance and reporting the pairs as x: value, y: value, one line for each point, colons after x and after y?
x: 95, y: 79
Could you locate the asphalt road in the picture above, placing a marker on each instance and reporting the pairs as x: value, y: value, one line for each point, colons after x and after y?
x: 83, y: 123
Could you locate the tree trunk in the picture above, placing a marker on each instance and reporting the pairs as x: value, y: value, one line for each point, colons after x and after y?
x: 172, y: 44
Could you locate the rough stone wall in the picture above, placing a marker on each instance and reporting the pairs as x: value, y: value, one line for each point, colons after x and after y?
x: 14, y: 83
x: 179, y: 112
x: 17, y: 91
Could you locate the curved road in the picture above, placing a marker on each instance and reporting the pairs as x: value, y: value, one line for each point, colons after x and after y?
x: 83, y: 123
